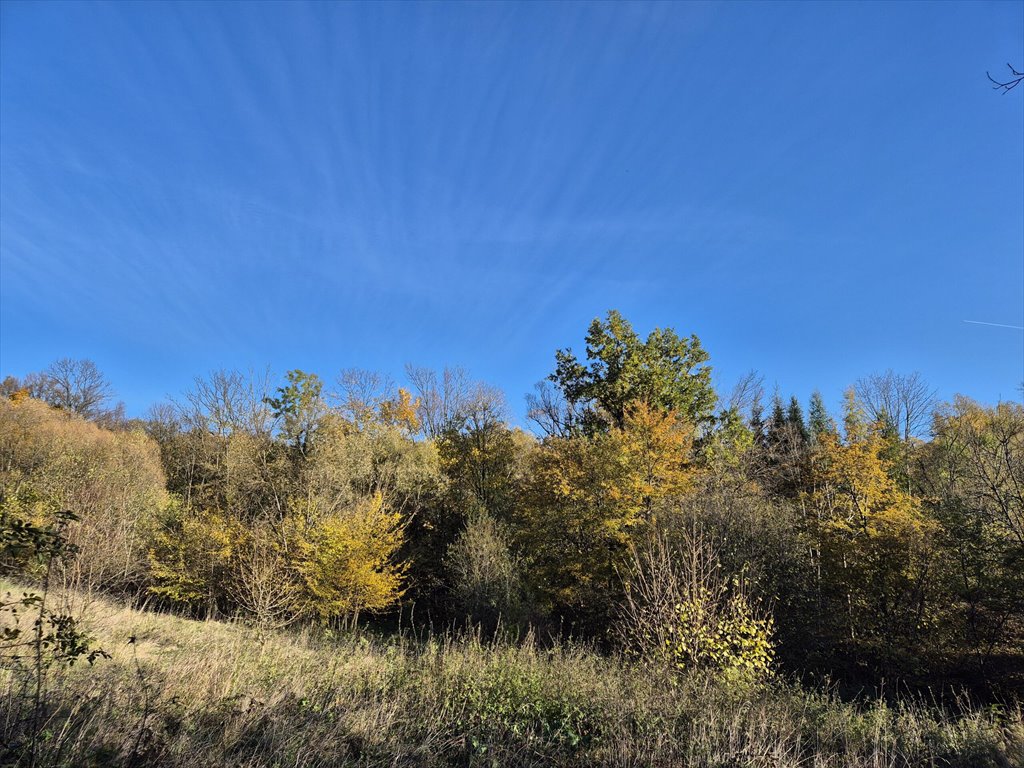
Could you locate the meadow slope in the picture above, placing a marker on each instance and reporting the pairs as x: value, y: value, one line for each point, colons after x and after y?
x: 178, y: 692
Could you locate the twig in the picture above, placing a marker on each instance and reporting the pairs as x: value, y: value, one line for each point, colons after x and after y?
x: 1010, y: 84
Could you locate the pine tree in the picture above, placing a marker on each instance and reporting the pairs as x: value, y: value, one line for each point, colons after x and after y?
x: 819, y: 421
x: 777, y: 422
x: 795, y: 420
x: 757, y: 425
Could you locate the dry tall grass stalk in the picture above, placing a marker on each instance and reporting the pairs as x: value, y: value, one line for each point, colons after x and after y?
x: 188, y: 693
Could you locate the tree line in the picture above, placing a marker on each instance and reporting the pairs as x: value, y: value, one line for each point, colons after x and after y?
x: 643, y: 512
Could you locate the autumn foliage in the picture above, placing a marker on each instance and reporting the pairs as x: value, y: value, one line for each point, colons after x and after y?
x: 644, y: 512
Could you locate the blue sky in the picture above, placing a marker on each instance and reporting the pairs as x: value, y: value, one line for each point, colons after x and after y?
x: 818, y: 191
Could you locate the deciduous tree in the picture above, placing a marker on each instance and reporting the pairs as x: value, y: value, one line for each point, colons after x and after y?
x: 665, y: 371
x: 876, y: 544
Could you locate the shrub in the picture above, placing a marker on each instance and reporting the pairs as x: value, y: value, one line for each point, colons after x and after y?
x: 682, y: 612
x: 485, y: 574
x: 51, y: 461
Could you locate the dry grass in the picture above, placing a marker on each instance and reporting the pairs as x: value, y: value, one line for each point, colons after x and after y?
x: 187, y: 693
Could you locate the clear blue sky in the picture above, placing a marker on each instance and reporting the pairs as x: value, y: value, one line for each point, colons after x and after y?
x: 818, y: 191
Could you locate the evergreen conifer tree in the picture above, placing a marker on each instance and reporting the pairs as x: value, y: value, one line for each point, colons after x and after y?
x: 795, y: 420
x: 820, y: 422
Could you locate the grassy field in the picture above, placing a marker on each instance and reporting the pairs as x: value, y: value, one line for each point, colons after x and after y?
x: 177, y: 692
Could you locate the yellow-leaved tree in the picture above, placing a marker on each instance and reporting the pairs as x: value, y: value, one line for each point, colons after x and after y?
x: 589, y: 497
x: 401, y: 412
x: 873, y: 540
x: 655, y: 447
x: 190, y: 557
x: 347, y: 562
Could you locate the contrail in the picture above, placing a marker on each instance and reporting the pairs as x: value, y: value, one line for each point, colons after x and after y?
x: 997, y: 325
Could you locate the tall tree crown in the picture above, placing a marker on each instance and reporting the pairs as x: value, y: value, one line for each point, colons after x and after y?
x: 665, y: 371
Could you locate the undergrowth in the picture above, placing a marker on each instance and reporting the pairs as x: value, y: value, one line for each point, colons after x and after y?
x: 177, y: 692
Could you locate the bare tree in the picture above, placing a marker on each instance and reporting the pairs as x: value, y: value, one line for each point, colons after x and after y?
x: 361, y: 393
x: 444, y: 398
x: 114, y: 418
x: 76, y: 386
x: 10, y: 386
x: 264, y: 586
x: 680, y: 605
x: 164, y: 416
x: 485, y: 407
x: 229, y: 401
x: 550, y: 411
x: 903, y: 402
x: 748, y: 390
x: 454, y: 401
